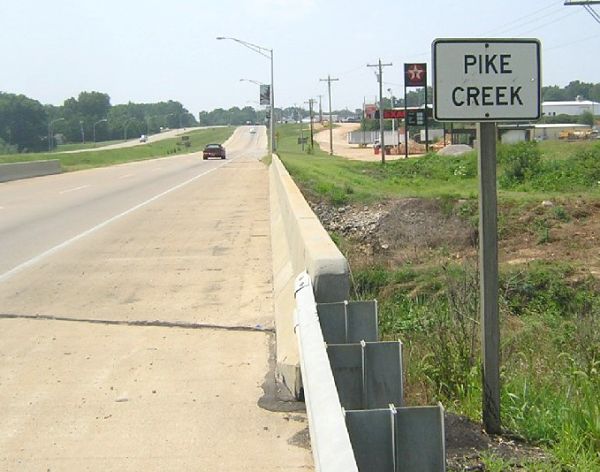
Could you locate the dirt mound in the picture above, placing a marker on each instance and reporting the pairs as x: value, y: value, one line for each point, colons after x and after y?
x: 424, y: 223
x: 455, y: 150
x: 466, y: 442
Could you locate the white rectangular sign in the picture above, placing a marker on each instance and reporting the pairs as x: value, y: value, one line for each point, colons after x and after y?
x: 486, y: 79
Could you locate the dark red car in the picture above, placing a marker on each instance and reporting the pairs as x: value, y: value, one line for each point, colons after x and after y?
x: 213, y: 150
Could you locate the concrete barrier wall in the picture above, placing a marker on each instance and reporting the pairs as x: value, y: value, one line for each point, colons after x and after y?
x: 24, y: 170
x: 299, y: 243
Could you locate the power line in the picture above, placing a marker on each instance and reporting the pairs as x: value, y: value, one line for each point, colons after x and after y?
x: 564, y: 45
x: 548, y: 23
x: 524, y: 20
x: 592, y: 12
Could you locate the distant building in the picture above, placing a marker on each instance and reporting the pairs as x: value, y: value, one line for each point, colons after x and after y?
x: 554, y: 131
x: 574, y: 108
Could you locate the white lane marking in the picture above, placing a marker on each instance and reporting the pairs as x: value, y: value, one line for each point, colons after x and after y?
x: 74, y: 189
x: 58, y: 247
x: 125, y: 176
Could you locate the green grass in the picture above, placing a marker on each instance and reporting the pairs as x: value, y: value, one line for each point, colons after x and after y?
x: 550, y: 312
x: 526, y: 172
x: 550, y: 348
x: 85, y: 160
x: 77, y: 146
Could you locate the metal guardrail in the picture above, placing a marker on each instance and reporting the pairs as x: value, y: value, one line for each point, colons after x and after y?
x: 331, y: 447
x: 398, y: 439
x: 345, y: 367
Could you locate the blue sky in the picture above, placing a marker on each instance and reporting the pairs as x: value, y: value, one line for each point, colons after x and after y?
x: 151, y: 50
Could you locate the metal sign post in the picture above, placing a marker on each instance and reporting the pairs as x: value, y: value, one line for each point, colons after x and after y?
x: 485, y: 81
x: 415, y: 75
x: 488, y: 276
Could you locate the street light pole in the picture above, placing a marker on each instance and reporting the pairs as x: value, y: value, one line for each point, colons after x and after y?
x: 129, y: 120
x: 82, y: 132
x: 51, y: 133
x: 103, y: 120
x: 268, y: 53
x: 392, y: 105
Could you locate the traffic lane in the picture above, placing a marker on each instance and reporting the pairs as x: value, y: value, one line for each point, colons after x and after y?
x: 80, y: 396
x: 38, y: 214
x: 198, y: 255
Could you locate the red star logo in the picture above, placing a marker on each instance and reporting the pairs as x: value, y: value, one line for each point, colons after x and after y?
x: 416, y: 73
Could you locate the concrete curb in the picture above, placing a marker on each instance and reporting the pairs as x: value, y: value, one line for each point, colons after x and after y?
x: 300, y: 243
x: 25, y: 170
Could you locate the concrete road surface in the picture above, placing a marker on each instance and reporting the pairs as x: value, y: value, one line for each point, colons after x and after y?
x: 136, y: 319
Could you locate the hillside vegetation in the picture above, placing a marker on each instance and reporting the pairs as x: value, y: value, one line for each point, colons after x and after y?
x: 418, y: 258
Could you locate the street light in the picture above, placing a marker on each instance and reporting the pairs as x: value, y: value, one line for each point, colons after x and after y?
x: 82, y: 132
x: 253, y: 81
x: 167, y: 116
x: 125, y: 126
x: 268, y: 53
x: 103, y: 120
x: 51, y: 133
x: 392, y: 105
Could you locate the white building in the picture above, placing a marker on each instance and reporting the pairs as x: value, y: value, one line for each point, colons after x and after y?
x: 553, y: 131
x: 574, y: 108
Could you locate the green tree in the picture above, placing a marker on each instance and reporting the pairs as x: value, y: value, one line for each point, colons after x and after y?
x: 23, y: 122
x: 586, y: 118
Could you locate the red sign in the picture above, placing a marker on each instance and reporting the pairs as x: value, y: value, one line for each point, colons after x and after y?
x: 370, y: 111
x: 415, y: 75
x: 391, y: 114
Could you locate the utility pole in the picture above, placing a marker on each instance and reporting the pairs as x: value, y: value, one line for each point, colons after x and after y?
x: 329, y: 80
x: 311, y: 102
x: 320, y: 110
x: 587, y: 4
x: 380, y: 66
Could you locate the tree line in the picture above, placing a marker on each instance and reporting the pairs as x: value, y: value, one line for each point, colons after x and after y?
x: 28, y: 126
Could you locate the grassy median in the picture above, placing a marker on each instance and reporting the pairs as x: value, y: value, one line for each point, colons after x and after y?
x: 101, y: 158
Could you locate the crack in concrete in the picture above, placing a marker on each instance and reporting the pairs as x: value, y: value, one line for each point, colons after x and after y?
x: 152, y: 323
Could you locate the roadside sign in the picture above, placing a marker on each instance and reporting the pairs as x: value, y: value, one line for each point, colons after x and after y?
x: 415, y: 75
x: 265, y: 94
x: 486, y: 79
x: 393, y: 114
x: 415, y: 117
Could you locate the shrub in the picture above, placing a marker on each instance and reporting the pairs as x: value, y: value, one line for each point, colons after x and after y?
x: 521, y: 162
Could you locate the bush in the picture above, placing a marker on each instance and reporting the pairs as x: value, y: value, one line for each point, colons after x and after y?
x: 521, y: 162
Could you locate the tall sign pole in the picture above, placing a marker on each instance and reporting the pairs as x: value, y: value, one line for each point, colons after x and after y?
x: 329, y: 80
x: 487, y: 81
x: 405, y: 122
x: 415, y: 75
x: 380, y: 66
